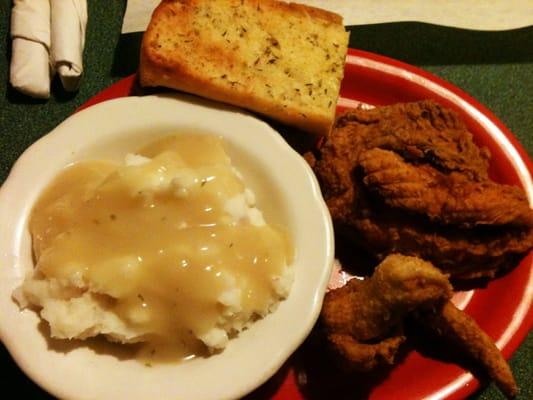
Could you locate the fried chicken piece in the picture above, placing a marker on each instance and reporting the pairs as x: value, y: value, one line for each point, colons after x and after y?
x: 427, y: 132
x: 334, y: 169
x: 457, y: 327
x: 444, y: 198
x: 456, y: 217
x: 422, y: 131
x: 362, y: 357
x: 363, y: 319
x: 464, y: 254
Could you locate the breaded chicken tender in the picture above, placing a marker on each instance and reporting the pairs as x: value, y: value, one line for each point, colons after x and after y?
x: 449, y: 199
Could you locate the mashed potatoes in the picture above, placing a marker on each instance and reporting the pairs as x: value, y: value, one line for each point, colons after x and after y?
x: 168, y: 248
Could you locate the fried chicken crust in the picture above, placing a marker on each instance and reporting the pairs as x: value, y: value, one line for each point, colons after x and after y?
x: 363, y: 319
x: 445, y: 198
x: 358, y: 356
x: 462, y: 254
x: 458, y: 328
x: 427, y: 132
x: 408, y: 178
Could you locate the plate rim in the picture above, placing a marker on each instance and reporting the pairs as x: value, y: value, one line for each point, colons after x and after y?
x: 466, y: 384
x: 123, y: 88
x: 276, y: 357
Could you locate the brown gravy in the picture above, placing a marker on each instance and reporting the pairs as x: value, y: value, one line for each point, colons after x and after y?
x: 158, y: 239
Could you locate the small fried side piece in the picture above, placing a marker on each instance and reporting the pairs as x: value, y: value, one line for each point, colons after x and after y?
x: 363, y: 319
x: 452, y: 324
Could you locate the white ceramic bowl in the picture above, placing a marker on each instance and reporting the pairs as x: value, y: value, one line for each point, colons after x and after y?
x: 286, y: 190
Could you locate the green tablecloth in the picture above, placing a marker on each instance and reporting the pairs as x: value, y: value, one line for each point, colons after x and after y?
x: 494, y: 67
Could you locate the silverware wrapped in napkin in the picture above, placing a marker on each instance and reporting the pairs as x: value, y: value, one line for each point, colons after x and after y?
x: 68, y: 22
x: 30, y: 30
x: 48, y: 37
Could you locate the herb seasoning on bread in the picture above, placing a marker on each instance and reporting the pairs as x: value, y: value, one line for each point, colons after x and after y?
x: 282, y: 60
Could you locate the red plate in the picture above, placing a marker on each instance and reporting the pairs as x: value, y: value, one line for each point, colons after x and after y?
x: 503, y: 308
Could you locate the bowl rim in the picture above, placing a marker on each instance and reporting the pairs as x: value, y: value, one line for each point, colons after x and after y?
x: 20, y: 179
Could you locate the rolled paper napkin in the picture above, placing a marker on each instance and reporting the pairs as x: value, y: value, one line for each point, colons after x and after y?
x: 68, y: 23
x: 30, y: 60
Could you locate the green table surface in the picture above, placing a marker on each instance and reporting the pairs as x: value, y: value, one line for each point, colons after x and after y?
x: 494, y: 67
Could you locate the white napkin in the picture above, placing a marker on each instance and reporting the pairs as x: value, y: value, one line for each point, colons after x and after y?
x: 68, y: 23
x: 30, y: 30
x: 468, y: 14
x: 490, y: 15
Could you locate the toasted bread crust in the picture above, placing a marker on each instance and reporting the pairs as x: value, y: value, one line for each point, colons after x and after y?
x: 225, y: 70
x: 178, y: 77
